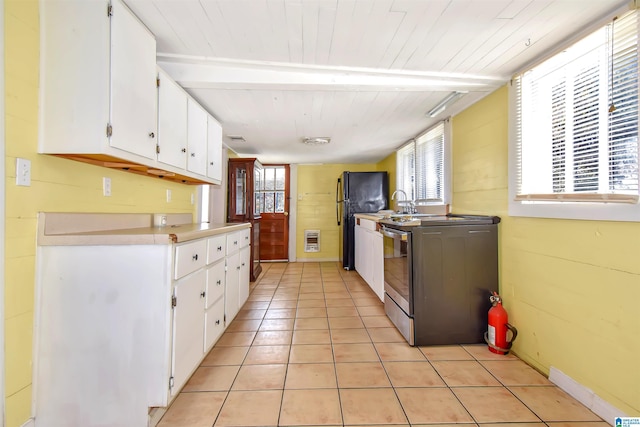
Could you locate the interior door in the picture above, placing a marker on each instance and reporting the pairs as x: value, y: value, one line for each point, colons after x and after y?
x: 274, y: 231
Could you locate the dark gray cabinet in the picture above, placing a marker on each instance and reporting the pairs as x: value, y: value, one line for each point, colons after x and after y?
x: 455, y: 269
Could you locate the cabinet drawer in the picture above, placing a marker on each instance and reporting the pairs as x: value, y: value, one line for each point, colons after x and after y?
x: 190, y: 257
x: 233, y: 242
x: 216, y: 248
x: 213, y: 324
x: 245, y: 237
x: 368, y: 224
x: 215, y: 283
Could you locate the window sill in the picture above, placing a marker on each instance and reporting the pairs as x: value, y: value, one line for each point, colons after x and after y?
x: 590, y: 211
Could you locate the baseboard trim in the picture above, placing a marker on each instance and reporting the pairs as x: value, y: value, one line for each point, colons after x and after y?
x: 30, y: 423
x: 586, y: 396
x: 316, y: 259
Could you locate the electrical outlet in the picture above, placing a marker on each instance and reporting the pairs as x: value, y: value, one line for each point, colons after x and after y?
x: 106, y: 186
x: 168, y: 196
x: 23, y: 172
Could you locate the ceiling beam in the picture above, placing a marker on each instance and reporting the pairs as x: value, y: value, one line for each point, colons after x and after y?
x: 206, y: 73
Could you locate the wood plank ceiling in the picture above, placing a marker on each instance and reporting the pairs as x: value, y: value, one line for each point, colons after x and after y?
x: 362, y: 72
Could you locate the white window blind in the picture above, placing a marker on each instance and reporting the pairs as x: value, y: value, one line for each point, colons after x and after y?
x: 430, y: 166
x: 569, y: 145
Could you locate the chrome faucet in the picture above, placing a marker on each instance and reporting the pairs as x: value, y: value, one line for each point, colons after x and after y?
x: 412, y: 205
x: 399, y: 191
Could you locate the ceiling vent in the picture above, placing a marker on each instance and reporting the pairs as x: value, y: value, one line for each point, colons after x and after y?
x: 236, y: 138
x: 317, y: 140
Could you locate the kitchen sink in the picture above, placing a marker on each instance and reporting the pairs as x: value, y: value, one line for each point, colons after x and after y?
x: 415, y: 215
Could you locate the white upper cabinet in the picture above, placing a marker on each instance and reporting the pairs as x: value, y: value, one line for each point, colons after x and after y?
x: 214, y: 151
x: 133, y: 84
x: 100, y: 100
x: 172, y: 122
x: 196, y: 138
x: 98, y: 81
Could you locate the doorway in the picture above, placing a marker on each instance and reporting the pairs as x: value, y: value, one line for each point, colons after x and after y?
x: 274, y: 228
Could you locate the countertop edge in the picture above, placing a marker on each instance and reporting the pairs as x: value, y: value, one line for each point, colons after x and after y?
x: 146, y: 235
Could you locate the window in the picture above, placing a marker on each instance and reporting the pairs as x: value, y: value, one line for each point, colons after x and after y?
x: 272, y: 191
x: 421, y: 167
x: 575, y: 133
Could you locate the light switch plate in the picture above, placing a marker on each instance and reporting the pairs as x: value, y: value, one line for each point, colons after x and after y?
x: 168, y: 196
x: 23, y: 172
x: 106, y: 186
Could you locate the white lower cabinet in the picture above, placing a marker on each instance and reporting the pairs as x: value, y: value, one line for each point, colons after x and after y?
x: 369, y: 255
x: 232, y: 287
x: 243, y: 283
x: 188, y: 324
x: 120, y: 328
x: 238, y: 265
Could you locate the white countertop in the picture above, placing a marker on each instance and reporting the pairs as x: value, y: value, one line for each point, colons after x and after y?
x: 74, y: 229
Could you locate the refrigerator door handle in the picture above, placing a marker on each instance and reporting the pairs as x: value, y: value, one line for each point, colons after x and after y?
x: 338, y: 201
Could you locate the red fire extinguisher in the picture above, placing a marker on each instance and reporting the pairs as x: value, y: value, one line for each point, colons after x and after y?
x: 496, y: 336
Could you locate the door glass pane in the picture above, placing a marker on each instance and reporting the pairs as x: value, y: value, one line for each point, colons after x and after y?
x: 269, y: 178
x: 268, y: 202
x: 279, y: 178
x: 279, y: 201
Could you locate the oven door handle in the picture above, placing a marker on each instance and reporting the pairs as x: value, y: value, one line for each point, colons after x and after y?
x: 402, y: 235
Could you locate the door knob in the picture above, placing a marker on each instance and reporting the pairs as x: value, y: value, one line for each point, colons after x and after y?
x: 286, y: 213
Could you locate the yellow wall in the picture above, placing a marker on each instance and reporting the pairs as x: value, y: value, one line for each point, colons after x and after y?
x: 317, y: 208
x: 388, y: 164
x: 56, y: 185
x: 571, y: 287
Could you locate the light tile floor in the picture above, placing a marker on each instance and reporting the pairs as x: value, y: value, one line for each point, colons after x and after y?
x: 313, y: 347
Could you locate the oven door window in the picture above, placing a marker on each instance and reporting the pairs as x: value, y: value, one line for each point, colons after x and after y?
x: 396, y: 268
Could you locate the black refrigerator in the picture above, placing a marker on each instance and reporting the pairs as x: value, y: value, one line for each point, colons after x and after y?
x: 357, y: 192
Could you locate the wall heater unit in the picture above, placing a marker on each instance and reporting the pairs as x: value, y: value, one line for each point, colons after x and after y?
x: 312, y: 240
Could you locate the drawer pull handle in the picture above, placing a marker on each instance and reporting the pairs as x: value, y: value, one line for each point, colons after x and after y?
x: 219, y: 282
x: 235, y: 242
x: 193, y: 154
x: 202, y: 294
x: 238, y: 268
x: 243, y: 264
x: 218, y: 322
x: 195, y: 257
x: 219, y: 248
x: 152, y: 135
x: 184, y: 150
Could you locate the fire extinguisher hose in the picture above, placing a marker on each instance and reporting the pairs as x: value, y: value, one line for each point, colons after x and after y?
x: 514, y: 332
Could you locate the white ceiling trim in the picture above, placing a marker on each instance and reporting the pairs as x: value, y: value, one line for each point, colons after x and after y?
x: 208, y: 73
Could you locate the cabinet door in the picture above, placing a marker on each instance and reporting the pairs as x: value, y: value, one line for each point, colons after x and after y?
x: 188, y: 328
x: 232, y: 291
x: 243, y: 284
x: 196, y: 138
x: 215, y: 283
x: 133, y: 84
x: 172, y: 123
x: 214, y: 324
x: 214, y: 149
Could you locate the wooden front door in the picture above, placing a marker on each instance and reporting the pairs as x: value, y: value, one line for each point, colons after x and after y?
x: 274, y: 231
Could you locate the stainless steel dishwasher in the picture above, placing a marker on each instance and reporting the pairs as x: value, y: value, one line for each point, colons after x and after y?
x: 439, y: 272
